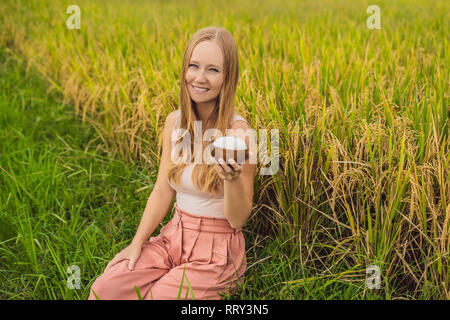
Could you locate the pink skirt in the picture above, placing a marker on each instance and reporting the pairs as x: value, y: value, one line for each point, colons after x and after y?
x: 203, y: 256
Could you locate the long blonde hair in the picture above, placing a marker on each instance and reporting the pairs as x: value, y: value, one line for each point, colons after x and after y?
x: 204, y: 176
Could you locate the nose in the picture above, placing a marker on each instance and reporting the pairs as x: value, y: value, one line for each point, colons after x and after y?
x: 200, y: 77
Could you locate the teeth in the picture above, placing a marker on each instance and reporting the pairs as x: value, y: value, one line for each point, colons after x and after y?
x: 200, y: 89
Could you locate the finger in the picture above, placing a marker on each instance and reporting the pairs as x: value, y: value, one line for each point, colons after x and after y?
x: 225, y: 167
x: 218, y: 166
x: 114, y: 261
x: 131, y: 264
x: 236, y: 167
x: 220, y: 171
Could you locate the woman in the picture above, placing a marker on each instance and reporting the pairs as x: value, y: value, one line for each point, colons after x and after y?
x: 201, y: 250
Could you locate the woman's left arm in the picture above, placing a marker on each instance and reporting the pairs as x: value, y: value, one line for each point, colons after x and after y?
x: 238, y: 197
x: 238, y: 184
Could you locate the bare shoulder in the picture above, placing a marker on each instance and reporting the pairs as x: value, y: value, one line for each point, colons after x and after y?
x: 171, y: 118
x: 161, y: 180
x: 170, y: 123
x: 240, y: 124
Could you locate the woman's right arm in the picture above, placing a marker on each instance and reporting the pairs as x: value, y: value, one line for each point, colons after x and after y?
x: 161, y: 197
x: 158, y: 203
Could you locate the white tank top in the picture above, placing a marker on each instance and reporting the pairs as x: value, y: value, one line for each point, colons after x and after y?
x: 192, y: 200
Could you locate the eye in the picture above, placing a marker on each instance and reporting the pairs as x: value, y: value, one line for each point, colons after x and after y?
x: 214, y: 69
x: 192, y: 65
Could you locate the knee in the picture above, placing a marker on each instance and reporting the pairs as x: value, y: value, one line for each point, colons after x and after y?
x: 165, y: 290
x: 100, y: 289
x: 170, y: 290
x: 105, y: 287
x: 156, y: 292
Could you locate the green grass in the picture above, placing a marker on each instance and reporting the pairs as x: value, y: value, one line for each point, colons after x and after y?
x: 64, y: 201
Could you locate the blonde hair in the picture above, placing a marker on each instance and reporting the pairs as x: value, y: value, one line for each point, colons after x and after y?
x: 204, y: 176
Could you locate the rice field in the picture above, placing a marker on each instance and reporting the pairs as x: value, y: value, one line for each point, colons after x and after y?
x: 363, y: 119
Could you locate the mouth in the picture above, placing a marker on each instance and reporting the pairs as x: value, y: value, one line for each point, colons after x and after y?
x: 200, y: 89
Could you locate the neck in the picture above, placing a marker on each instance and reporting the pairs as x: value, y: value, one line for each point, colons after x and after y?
x: 204, y: 110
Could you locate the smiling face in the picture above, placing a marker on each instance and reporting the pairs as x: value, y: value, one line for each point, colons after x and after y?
x: 204, y: 75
